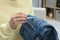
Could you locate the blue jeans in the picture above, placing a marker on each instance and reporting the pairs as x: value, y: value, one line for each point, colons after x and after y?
x: 37, y: 29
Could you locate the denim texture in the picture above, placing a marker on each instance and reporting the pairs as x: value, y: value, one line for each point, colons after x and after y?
x: 37, y: 29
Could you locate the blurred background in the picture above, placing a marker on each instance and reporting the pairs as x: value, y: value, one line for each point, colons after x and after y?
x: 48, y: 10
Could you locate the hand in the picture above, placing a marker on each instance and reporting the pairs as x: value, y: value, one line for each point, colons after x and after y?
x: 17, y: 19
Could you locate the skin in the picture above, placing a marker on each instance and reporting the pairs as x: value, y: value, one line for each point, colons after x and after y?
x: 17, y: 19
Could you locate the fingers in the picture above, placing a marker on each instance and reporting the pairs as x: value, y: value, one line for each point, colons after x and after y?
x: 20, y: 19
x: 19, y: 15
x: 16, y: 19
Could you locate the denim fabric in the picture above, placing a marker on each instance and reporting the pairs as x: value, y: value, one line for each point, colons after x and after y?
x: 37, y: 29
